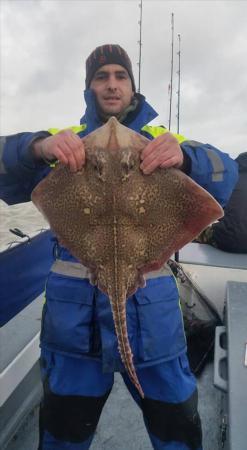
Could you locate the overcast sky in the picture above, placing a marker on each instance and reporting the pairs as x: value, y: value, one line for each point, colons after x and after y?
x: 44, y: 44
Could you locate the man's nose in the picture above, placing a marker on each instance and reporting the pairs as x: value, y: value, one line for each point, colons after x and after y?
x: 112, y: 83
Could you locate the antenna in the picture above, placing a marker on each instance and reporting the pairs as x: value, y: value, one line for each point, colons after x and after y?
x: 140, y: 47
x: 179, y: 79
x: 171, y: 81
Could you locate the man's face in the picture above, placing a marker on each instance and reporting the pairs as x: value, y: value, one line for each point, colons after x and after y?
x: 113, y: 88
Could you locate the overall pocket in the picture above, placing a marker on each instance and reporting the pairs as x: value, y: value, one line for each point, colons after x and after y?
x: 160, y: 319
x: 68, y: 314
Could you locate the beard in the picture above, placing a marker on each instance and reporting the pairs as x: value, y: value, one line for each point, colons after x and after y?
x: 121, y: 115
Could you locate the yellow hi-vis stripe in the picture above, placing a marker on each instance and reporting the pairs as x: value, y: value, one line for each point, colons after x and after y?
x: 158, y: 131
x: 154, y: 131
x: 75, y: 129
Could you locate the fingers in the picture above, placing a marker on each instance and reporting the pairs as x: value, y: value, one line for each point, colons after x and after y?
x: 68, y: 157
x: 163, y: 151
x: 67, y: 147
x: 172, y: 161
x: 152, y: 147
x: 152, y: 157
x: 79, y: 151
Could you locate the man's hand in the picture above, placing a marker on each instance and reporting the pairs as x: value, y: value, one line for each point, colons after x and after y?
x: 164, y: 151
x: 65, y: 146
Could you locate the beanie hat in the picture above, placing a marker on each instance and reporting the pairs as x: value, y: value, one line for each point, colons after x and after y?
x: 108, y: 54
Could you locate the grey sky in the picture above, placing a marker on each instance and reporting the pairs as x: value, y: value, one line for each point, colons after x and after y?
x: 44, y: 44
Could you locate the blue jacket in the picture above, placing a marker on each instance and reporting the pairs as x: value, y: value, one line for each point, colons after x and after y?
x: 77, y: 318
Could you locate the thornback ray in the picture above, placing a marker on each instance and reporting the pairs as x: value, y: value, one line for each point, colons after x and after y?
x: 120, y: 223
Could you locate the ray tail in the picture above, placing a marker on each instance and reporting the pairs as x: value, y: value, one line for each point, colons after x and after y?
x: 119, y: 315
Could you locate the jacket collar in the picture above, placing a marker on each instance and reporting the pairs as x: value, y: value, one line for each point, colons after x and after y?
x: 143, y: 116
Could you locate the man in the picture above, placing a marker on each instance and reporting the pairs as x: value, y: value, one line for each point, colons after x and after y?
x: 78, y: 343
x: 230, y: 233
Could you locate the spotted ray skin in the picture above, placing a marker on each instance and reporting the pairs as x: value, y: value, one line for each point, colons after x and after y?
x: 119, y: 222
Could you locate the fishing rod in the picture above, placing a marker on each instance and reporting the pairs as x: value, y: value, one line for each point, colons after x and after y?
x: 179, y: 80
x: 140, y: 48
x: 176, y: 255
x: 171, y: 80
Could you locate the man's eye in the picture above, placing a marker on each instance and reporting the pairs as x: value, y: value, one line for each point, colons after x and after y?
x: 100, y: 77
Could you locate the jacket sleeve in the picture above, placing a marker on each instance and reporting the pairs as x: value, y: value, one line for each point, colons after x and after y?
x: 19, y: 172
x: 214, y: 170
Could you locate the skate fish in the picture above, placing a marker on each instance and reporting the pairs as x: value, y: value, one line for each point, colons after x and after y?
x: 120, y: 223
